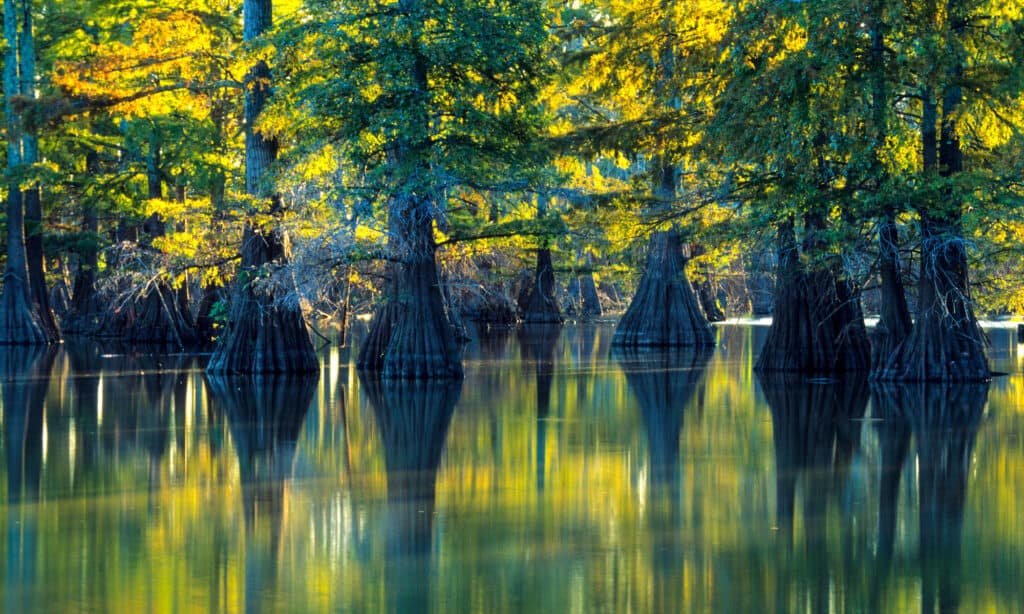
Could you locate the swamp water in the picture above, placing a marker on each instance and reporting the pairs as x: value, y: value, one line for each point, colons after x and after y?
x: 557, y: 477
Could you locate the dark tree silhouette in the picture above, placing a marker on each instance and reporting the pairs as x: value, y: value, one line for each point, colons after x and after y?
x: 537, y: 343
x: 814, y: 431
x: 664, y: 383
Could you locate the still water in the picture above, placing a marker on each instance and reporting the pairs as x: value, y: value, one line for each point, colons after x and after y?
x: 557, y: 477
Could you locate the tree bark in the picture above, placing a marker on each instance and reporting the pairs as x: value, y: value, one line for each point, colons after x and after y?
x: 156, y: 315
x: 946, y: 343
x: 705, y: 291
x: 895, y: 322
x: 412, y: 326
x: 665, y: 310
x: 421, y: 341
x: 84, y: 315
x: 817, y: 325
x: 32, y: 195
x: 542, y: 305
x: 266, y: 333
x: 19, y: 321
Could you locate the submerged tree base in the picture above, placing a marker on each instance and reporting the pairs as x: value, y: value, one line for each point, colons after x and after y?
x: 19, y: 324
x: 946, y: 343
x: 665, y: 310
x: 154, y: 318
x: 410, y: 335
x: 265, y: 341
x: 265, y: 334
x: 817, y: 326
x: 541, y: 304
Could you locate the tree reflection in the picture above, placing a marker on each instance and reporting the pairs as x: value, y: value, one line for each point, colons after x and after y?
x: 25, y: 372
x: 413, y: 418
x: 894, y: 444
x: 150, y: 387
x: 264, y: 416
x: 944, y: 419
x: 537, y: 343
x: 815, y: 425
x: 664, y: 382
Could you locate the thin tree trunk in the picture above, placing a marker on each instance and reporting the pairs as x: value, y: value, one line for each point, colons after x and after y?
x: 84, y: 315
x: 895, y: 323
x: 705, y: 291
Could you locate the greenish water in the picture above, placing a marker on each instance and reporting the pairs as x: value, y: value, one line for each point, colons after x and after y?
x: 557, y: 477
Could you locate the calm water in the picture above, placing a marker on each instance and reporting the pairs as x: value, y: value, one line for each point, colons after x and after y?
x: 556, y: 478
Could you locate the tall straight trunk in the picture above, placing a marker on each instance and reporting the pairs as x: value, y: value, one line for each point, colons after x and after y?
x: 266, y: 332
x: 895, y: 322
x: 19, y: 321
x: 946, y: 343
x: 83, y: 317
x: 32, y: 197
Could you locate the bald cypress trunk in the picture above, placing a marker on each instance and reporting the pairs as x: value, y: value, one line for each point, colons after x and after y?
x: 541, y: 303
x: 153, y: 315
x: 817, y: 325
x: 266, y: 332
x: 32, y: 196
x: 411, y: 335
x: 19, y: 320
x: 665, y: 311
x: 84, y: 315
x: 895, y: 322
x: 421, y: 341
x: 946, y: 343
x: 705, y: 290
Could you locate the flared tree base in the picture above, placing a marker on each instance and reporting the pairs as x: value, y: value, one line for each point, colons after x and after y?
x: 410, y: 336
x: 264, y: 338
x: 153, y: 319
x: 818, y: 327
x: 541, y: 303
x: 19, y: 323
x: 664, y: 311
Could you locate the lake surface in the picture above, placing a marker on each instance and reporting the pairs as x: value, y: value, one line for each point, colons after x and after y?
x: 557, y: 477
